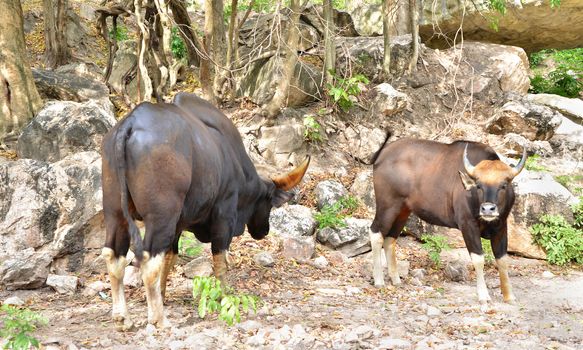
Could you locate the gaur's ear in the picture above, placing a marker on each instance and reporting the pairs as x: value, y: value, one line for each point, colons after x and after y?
x: 280, y: 197
x: 468, y: 182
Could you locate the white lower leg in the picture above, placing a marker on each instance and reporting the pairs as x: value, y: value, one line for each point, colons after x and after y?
x: 390, y: 245
x: 376, y: 242
x: 507, y: 293
x: 116, y: 269
x: 478, y: 262
x: 151, y: 273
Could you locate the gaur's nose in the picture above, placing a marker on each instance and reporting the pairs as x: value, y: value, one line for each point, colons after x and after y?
x: 489, y: 209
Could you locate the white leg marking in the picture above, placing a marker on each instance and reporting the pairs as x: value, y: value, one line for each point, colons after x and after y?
x: 376, y: 242
x: 116, y: 269
x: 151, y: 275
x: 505, y: 285
x: 390, y: 245
x: 478, y: 262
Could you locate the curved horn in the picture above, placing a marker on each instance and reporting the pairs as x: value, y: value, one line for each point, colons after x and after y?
x: 518, y: 168
x: 292, y: 179
x: 467, y: 165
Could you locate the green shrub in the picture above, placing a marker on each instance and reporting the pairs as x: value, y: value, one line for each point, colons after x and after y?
x: 17, y: 324
x: 568, y: 181
x: 333, y: 215
x: 312, y: 129
x: 487, y: 248
x: 343, y: 89
x: 562, y: 242
x: 189, y: 245
x: 435, y: 244
x: 177, y: 45
x: 214, y: 297
x: 533, y: 165
x: 121, y: 33
x: 566, y: 79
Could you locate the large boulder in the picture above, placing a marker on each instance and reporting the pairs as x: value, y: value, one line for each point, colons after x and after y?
x: 62, y: 128
x: 329, y: 192
x: 278, y: 143
x: 68, y: 85
x: 351, y: 240
x: 343, y: 22
x: 363, y: 189
x: 363, y: 142
x: 292, y: 220
x: 54, y: 212
x: 530, y: 24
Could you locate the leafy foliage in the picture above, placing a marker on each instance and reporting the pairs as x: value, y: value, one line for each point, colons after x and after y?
x: 177, y: 45
x: 17, y: 324
x: 487, y: 248
x: 312, y: 129
x: 568, y: 181
x: 120, y: 34
x: 566, y: 79
x: 214, y: 297
x: 333, y: 215
x: 344, y: 89
x: 435, y: 244
x: 533, y: 165
x: 189, y: 245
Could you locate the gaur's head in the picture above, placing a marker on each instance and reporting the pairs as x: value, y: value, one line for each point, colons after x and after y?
x: 492, y: 181
x: 275, y: 196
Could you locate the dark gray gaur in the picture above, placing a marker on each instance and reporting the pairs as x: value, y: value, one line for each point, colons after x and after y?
x: 179, y: 166
x: 461, y: 185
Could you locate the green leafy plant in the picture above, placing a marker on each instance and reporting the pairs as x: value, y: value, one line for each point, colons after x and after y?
x: 312, y: 129
x: 565, y: 80
x: 177, y: 45
x: 333, y: 215
x: 435, y: 244
x: 213, y: 297
x: 487, y: 248
x: 344, y: 89
x: 533, y: 165
x: 569, y: 181
x: 17, y: 326
x: 120, y: 34
x: 189, y: 245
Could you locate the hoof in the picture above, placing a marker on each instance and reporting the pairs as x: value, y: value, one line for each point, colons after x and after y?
x: 123, y: 324
x: 379, y: 285
x: 161, y: 324
x: 510, y: 300
x: 396, y: 281
x: 484, y: 306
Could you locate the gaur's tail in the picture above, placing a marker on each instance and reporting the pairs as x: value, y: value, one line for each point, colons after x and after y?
x: 376, y: 154
x: 121, y: 137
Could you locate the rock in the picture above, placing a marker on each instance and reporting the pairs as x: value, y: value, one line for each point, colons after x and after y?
x: 53, y: 208
x: 403, y: 267
x: 63, y: 86
x: 363, y: 189
x: 364, y: 55
x: 536, y: 194
x: 26, y: 270
x: 351, y: 240
x: 280, y: 140
x: 94, y: 288
x: 517, y: 142
x: 123, y: 63
x: 418, y: 273
x: 548, y: 274
x: 249, y: 326
x: 64, y: 128
x: 571, y: 107
x: 343, y: 22
x: 200, y: 266
x: 292, y: 220
x: 132, y: 277
x: 14, y: 300
x: 321, y: 262
x: 299, y: 248
x: 390, y: 343
x: 432, y: 311
x: 525, y: 24
x: 457, y: 271
x: 329, y: 192
x: 387, y: 101
x: 363, y: 142
x: 264, y: 259
x: 535, y: 122
x: 63, y: 284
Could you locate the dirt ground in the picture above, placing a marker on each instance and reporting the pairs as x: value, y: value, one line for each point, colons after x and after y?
x: 335, y: 307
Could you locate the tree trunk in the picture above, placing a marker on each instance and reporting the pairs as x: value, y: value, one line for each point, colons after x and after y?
x: 206, y: 71
x: 187, y: 32
x: 414, y: 13
x: 56, y: 49
x: 388, y: 9
x: 329, y: 45
x: 290, y: 58
x: 19, y: 98
x: 143, y: 76
x: 219, y: 49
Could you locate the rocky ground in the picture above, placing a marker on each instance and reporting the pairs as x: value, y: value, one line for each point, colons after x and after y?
x: 333, y: 307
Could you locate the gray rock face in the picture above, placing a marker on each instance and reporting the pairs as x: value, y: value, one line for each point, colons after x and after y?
x: 351, y: 240
x: 329, y: 192
x: 364, y: 142
x: 292, y: 220
x: 64, y: 128
x: 387, y: 101
x: 363, y: 189
x: 49, y: 211
x: 457, y: 271
x: 63, y: 284
x: 63, y: 86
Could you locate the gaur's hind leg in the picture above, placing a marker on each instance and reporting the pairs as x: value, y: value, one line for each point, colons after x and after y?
x: 499, y: 245
x: 116, y: 247
x: 390, y: 244
x: 382, y: 224
x: 169, y: 261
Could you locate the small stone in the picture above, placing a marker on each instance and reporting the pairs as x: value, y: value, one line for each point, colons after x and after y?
x: 150, y: 329
x: 390, y: 343
x: 321, y: 262
x: 415, y: 281
x: 264, y: 259
x: 200, y: 266
x: 418, y: 273
x: 16, y: 301
x: 433, y: 311
x: 548, y: 274
x: 63, y: 284
x: 132, y: 277
x: 299, y: 248
x: 457, y: 271
x: 403, y: 268
x: 249, y: 326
